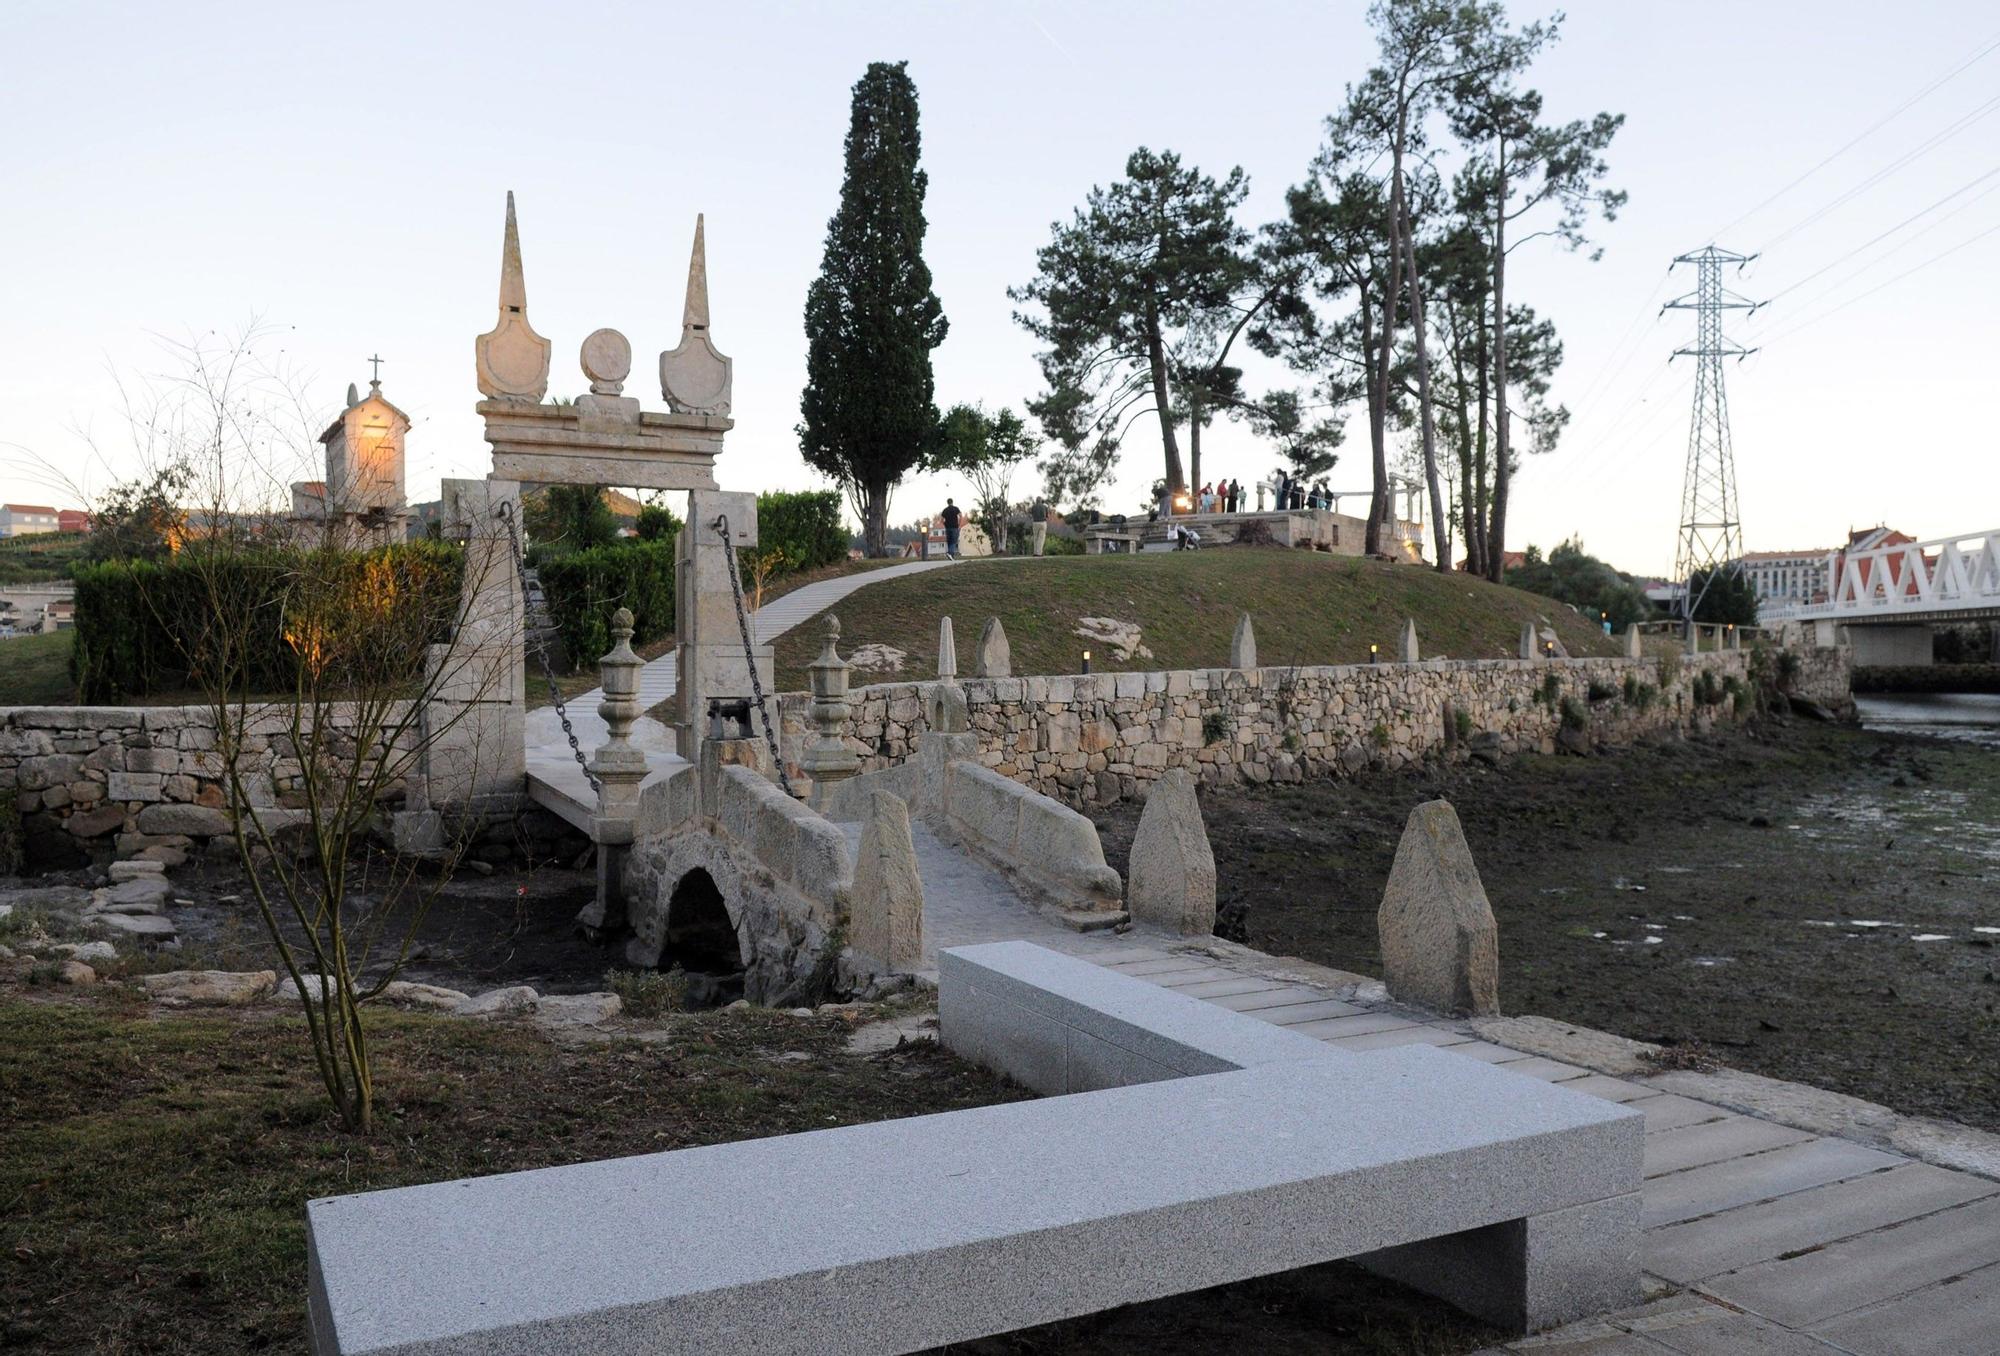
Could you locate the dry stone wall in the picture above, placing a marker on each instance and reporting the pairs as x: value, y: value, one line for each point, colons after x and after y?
x: 92, y: 782
x: 1099, y: 738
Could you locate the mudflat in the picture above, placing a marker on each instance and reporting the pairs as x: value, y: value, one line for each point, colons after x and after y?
x: 1809, y: 902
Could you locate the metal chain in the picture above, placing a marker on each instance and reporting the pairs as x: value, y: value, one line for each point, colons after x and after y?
x: 541, y: 647
x: 750, y: 656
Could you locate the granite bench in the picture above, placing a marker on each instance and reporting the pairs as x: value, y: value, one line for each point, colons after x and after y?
x: 1212, y: 1148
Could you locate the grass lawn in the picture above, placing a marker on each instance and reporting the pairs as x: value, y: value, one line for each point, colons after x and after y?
x: 157, y: 1165
x: 1308, y: 608
x: 34, y: 670
x: 156, y: 1168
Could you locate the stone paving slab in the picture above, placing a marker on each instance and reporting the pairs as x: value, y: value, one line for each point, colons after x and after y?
x: 1609, y: 1088
x: 1400, y: 1036
x: 1961, y: 1317
x: 1259, y: 1001
x: 1332, y: 1028
x: 1732, y: 1239
x: 1297, y: 1014
x: 1744, y: 1181
x: 1841, y: 1277
x: 1697, y: 1146
x: 1669, y: 1111
x: 1548, y: 1070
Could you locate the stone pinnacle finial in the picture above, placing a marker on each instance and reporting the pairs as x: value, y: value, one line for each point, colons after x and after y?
x: 695, y: 377
x: 694, y: 313
x: 512, y: 360
x: 513, y: 285
x: 832, y: 627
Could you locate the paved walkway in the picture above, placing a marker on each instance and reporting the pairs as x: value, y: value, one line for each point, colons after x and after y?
x: 660, y: 678
x: 1764, y: 1238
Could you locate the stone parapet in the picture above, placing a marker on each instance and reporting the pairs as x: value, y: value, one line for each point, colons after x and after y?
x: 1094, y: 739
x: 98, y: 782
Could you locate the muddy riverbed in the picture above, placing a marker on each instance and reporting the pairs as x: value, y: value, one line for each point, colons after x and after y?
x: 1812, y: 903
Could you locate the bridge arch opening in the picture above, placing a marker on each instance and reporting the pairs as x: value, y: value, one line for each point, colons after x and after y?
x: 701, y: 941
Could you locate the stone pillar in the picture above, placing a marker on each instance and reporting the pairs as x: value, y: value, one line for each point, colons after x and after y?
x: 1633, y: 647
x: 1411, y: 653
x: 1038, y: 536
x: 1170, y: 881
x: 1529, y: 649
x: 947, y: 650
x: 1440, y: 945
x: 714, y: 676
x: 829, y: 760
x: 474, y: 725
x: 619, y: 766
x: 886, y: 914
x: 994, y: 658
x: 1243, y: 645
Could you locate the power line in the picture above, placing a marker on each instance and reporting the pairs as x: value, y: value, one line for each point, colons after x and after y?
x: 1991, y: 45
x: 1893, y: 250
x: 1984, y: 110
x: 1862, y: 296
x: 1914, y: 216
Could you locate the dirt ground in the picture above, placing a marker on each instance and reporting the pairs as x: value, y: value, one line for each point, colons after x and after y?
x: 1813, y: 903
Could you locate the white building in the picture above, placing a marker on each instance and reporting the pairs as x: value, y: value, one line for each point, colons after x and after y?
x: 20, y: 520
x: 1786, y: 578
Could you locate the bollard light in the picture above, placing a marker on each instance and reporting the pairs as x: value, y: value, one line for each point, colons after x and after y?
x: 1086, y: 661
x: 1374, y: 654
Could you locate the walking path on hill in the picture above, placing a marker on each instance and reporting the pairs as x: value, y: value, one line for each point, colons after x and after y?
x: 1775, y: 1239
x: 660, y: 679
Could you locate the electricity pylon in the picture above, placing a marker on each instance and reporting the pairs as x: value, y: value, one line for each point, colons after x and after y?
x: 1711, y: 537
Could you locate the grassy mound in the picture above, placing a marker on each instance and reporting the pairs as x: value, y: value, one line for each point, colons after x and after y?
x: 1308, y: 608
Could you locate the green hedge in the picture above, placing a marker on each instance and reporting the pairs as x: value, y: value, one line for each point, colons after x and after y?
x: 807, y: 527
x: 584, y: 588
x: 145, y: 627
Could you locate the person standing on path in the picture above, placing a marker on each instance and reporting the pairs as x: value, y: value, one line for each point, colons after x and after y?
x: 950, y: 518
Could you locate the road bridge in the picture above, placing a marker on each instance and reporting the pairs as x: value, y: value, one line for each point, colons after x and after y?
x: 1888, y: 598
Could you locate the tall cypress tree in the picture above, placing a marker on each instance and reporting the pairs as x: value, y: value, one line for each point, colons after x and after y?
x: 871, y: 317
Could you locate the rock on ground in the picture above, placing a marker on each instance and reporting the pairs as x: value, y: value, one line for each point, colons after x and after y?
x: 76, y: 972
x: 876, y: 1037
x: 223, y: 987
x: 141, y: 894
x: 1440, y: 945
x: 507, y: 1002
x: 146, y: 927
x: 86, y: 951
x: 136, y: 870
x: 1170, y: 877
x: 576, y: 1009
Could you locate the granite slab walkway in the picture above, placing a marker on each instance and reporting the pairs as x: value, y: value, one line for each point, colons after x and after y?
x: 1760, y: 1237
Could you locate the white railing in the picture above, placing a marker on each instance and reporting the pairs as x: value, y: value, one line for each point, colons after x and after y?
x: 1946, y: 574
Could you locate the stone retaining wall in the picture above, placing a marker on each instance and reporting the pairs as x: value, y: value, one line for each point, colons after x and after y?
x: 1096, y: 739
x: 95, y: 782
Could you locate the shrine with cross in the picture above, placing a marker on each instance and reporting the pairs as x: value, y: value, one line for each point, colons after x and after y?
x: 361, y: 502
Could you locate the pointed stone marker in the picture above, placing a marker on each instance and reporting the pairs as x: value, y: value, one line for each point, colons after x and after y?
x: 1529, y: 650
x: 994, y: 659
x: 696, y: 378
x: 1243, y: 645
x: 947, y: 650
x: 886, y: 912
x: 1440, y: 945
x: 1633, y: 650
x: 512, y: 360
x: 1170, y: 882
x: 1411, y: 653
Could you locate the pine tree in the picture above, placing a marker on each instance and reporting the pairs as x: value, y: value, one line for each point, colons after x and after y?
x: 871, y: 317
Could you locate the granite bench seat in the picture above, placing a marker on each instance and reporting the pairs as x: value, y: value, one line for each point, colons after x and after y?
x: 1249, y: 1156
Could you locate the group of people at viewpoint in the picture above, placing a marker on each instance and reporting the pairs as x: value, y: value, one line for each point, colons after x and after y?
x: 1289, y: 493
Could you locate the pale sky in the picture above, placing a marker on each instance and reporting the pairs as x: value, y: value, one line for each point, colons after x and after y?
x: 340, y: 171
